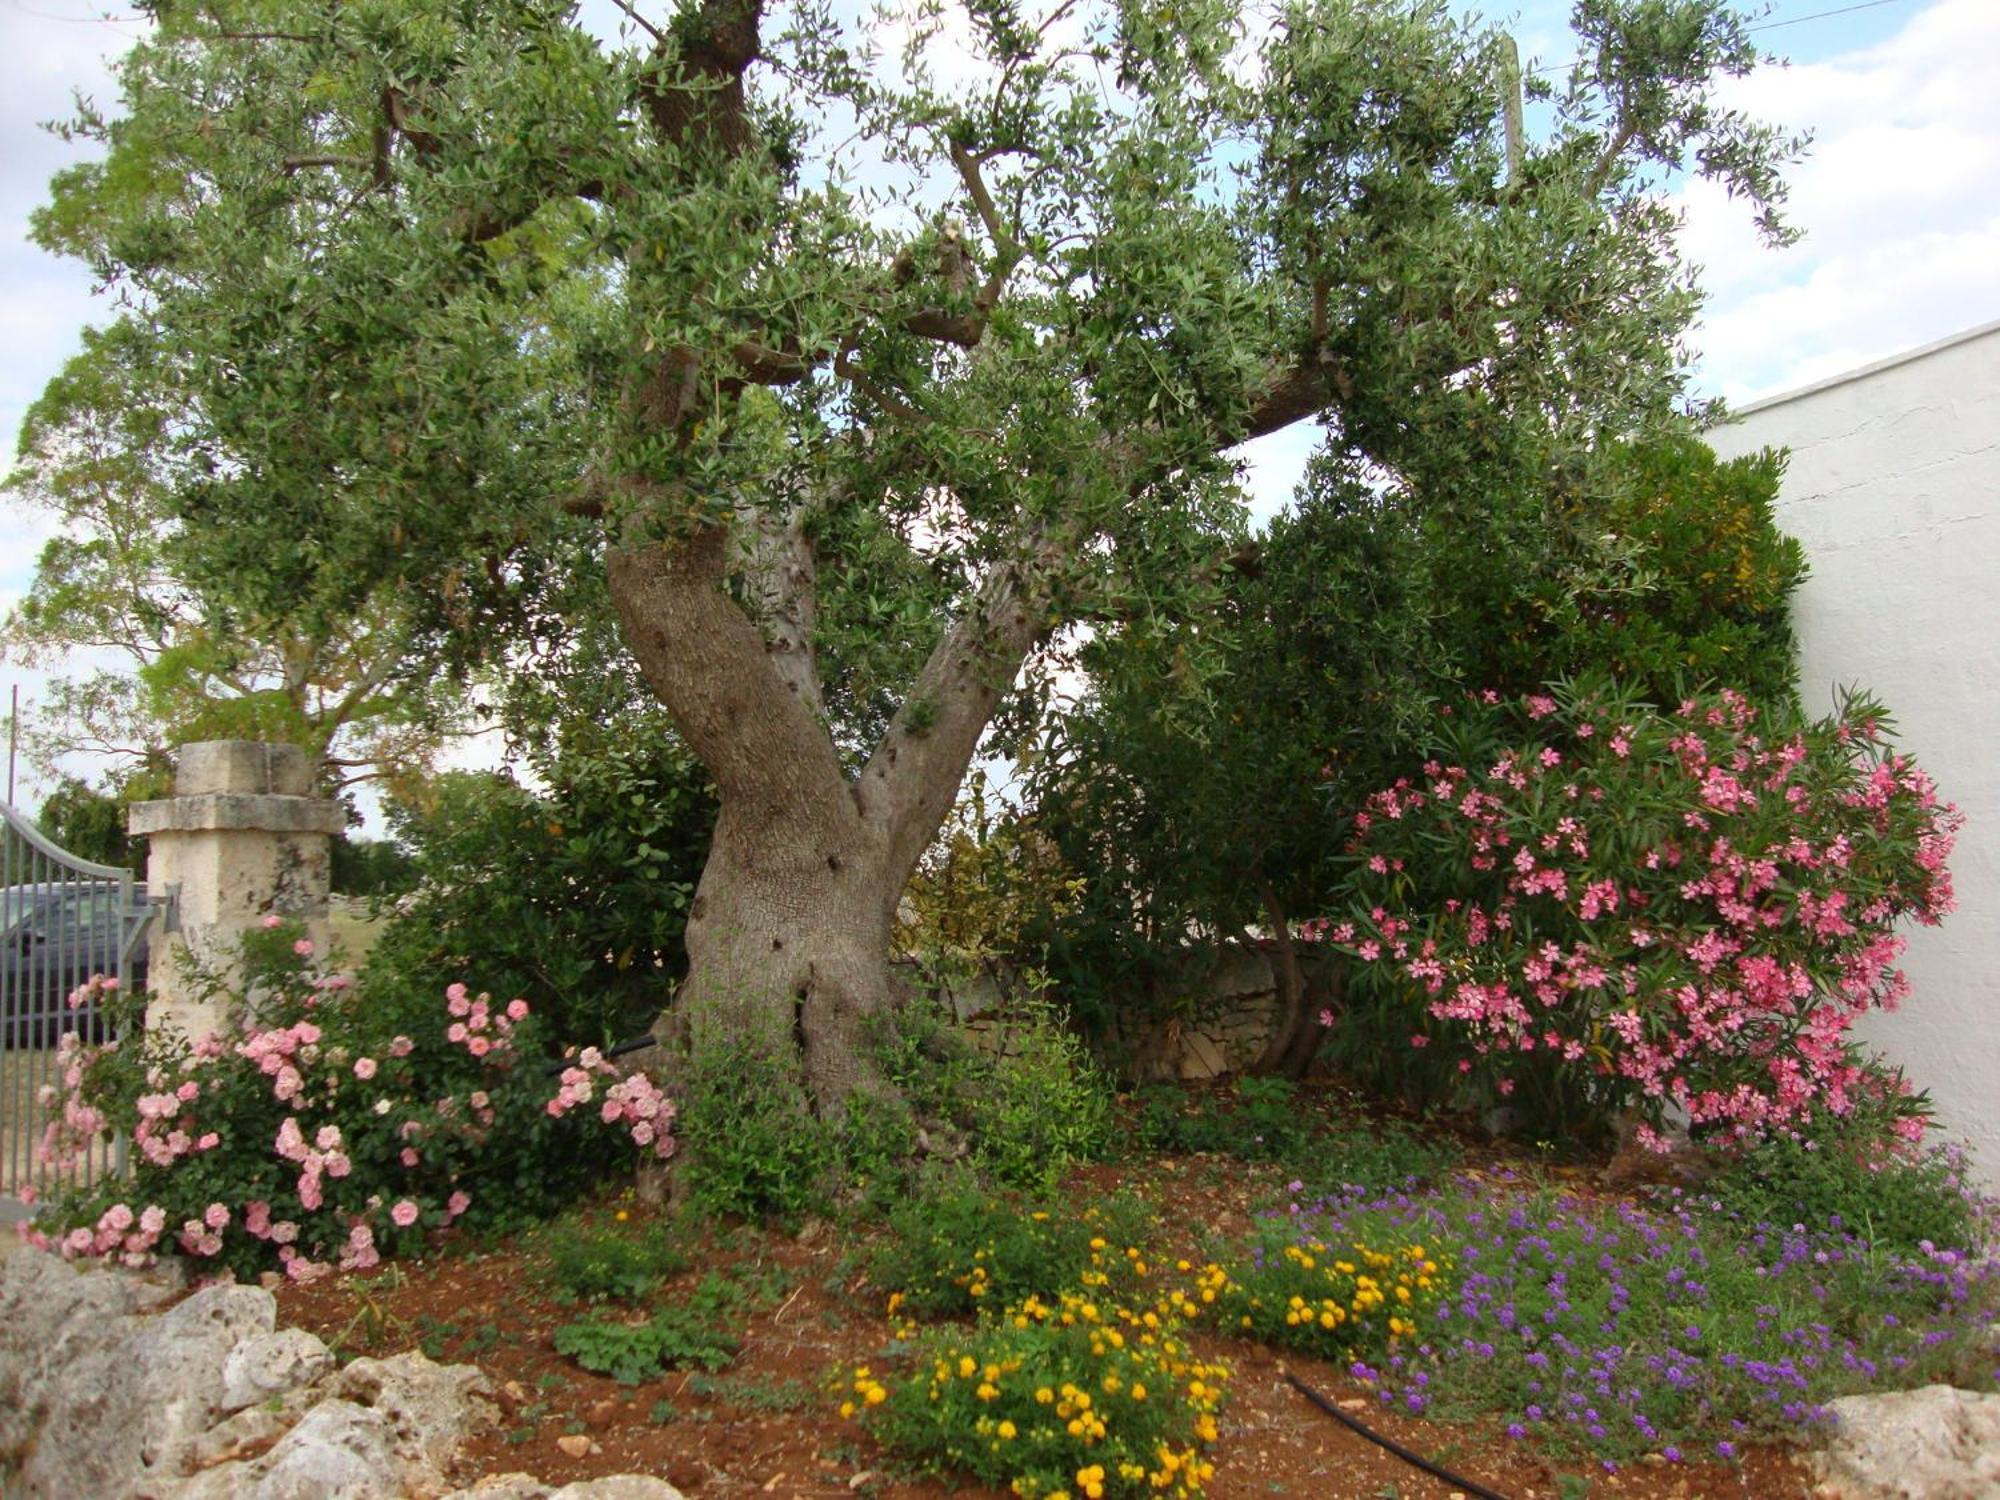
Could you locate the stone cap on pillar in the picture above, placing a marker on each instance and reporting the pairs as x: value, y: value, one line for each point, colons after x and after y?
x: 225, y: 784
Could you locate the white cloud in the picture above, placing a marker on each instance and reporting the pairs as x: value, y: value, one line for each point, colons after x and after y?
x: 1897, y: 201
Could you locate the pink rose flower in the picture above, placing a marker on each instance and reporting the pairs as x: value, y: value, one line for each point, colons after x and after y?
x: 364, y: 1068
x: 404, y: 1214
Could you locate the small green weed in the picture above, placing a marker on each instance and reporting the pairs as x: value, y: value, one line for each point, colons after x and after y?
x: 699, y: 1331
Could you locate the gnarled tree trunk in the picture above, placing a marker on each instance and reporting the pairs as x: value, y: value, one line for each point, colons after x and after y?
x: 788, y: 937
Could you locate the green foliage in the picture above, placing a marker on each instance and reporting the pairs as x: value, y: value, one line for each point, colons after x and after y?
x: 958, y: 1247
x: 1655, y: 563
x: 1855, y: 1177
x: 127, y: 450
x: 763, y: 1155
x: 575, y: 898
x: 371, y: 867
x: 91, y: 824
x: 607, y: 1264
x: 988, y: 878
x: 1264, y: 1119
x: 1272, y: 1119
x: 700, y: 1330
x: 1024, y: 1108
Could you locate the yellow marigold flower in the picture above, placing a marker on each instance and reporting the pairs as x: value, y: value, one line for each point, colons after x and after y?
x: 1006, y: 1429
x: 876, y: 1395
x: 847, y: 1408
x: 1044, y: 1395
x: 986, y: 1392
x: 966, y: 1365
x: 1138, y: 1391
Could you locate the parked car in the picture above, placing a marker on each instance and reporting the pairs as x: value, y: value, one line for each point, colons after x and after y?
x: 54, y: 937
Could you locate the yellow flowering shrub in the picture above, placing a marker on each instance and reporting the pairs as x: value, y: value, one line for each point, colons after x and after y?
x: 1349, y: 1300
x: 1062, y: 1397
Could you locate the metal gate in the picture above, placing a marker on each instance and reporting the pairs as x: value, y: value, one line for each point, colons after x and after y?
x: 62, y: 920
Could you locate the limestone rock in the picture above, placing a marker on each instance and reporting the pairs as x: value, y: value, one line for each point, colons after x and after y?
x: 503, y: 1487
x: 431, y: 1408
x: 618, y: 1487
x: 610, y: 1487
x: 338, y: 1451
x: 103, y: 1400
x: 101, y: 1393
x: 271, y: 1364
x: 1937, y: 1443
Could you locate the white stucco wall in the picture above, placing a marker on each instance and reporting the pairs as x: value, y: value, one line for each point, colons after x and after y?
x: 1894, y: 490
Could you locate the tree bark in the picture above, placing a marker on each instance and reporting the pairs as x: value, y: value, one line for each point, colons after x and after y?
x: 788, y: 936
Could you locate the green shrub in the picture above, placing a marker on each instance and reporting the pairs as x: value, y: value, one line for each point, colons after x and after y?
x: 1023, y: 1113
x: 1828, y: 1175
x: 960, y: 1247
x: 1264, y: 1119
x: 1379, y: 1154
x: 574, y: 898
x: 612, y: 1265
x: 762, y: 1156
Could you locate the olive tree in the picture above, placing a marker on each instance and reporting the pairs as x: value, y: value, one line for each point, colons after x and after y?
x: 869, y: 356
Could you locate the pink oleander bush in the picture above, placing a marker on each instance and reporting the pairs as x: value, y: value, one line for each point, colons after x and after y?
x: 1586, y: 907
x: 336, y: 1129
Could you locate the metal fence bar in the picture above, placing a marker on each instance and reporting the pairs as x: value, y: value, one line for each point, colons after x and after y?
x: 62, y: 920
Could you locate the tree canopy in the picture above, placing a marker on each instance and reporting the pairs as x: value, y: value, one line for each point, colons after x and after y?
x: 174, y: 649
x: 866, y: 358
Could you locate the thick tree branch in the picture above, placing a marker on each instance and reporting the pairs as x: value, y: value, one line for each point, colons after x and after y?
x: 909, y: 782
x: 710, y: 664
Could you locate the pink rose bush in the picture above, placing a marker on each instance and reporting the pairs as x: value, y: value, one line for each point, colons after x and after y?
x: 1586, y: 906
x: 338, y: 1128
x: 631, y: 1101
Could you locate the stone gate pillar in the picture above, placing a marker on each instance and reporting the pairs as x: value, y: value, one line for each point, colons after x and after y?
x: 242, y: 838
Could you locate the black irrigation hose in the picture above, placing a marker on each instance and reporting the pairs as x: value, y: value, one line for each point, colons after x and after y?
x: 1438, y: 1471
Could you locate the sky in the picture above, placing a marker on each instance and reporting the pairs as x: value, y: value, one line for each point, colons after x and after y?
x: 1899, y: 200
